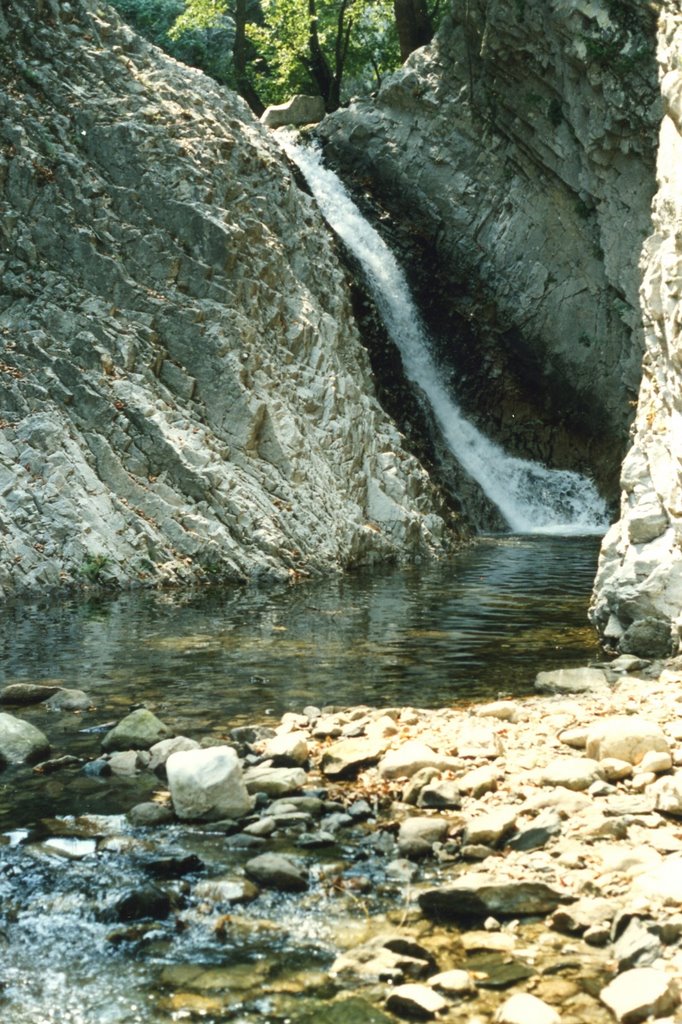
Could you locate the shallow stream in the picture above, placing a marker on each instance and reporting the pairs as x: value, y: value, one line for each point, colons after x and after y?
x: 204, y: 662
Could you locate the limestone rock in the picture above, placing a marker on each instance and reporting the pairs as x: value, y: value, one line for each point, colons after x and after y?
x: 20, y: 741
x: 524, y: 1008
x: 490, y: 829
x: 275, y: 782
x: 161, y: 751
x: 207, y: 784
x: 288, y: 749
x: 275, y: 871
x: 410, y: 758
x: 571, y: 680
x: 415, y: 1001
x: 299, y: 110
x: 346, y: 758
x: 626, y: 737
x: 577, y: 773
x: 640, y: 993
x: 139, y: 730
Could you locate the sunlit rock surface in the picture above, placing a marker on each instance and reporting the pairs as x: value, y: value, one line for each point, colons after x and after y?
x: 183, y: 390
x: 518, y: 150
x: 638, y: 591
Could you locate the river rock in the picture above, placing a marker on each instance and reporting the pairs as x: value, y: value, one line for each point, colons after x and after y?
x: 577, y: 773
x: 68, y: 699
x: 21, y: 742
x: 20, y: 694
x: 454, y: 983
x: 150, y: 814
x: 477, y: 897
x: 276, y: 871
x: 410, y: 758
x: 161, y: 751
x: 287, y: 749
x: 345, y: 758
x: 207, y: 784
x: 479, y: 781
x: 490, y: 829
x: 444, y: 793
x: 139, y: 730
x: 571, y: 680
x: 226, y: 889
x: 274, y: 782
x: 415, y: 1001
x: 668, y: 794
x: 524, y: 1008
x: 418, y: 835
x: 639, y: 994
x: 626, y: 737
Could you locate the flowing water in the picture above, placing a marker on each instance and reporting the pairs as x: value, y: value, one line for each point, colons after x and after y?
x: 531, y: 497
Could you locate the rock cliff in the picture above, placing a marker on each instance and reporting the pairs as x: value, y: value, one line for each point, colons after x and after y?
x: 184, y: 391
x: 517, y: 152
x: 638, y: 591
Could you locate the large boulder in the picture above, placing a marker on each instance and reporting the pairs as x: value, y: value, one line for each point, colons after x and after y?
x: 299, y: 110
x: 21, y: 742
x: 207, y: 784
x: 139, y: 730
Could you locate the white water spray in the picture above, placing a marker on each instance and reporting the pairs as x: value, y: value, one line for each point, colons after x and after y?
x: 530, y: 497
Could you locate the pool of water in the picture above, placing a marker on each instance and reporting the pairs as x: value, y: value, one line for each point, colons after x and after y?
x: 477, y: 626
x: 464, y: 630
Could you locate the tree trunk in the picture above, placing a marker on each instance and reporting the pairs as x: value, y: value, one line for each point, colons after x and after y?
x: 239, y: 60
x: 319, y: 68
x: 413, y: 24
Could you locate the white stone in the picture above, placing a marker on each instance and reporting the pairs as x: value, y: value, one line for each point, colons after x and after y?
x: 524, y: 1008
x: 415, y: 1000
x: 290, y: 747
x: 490, y: 829
x: 640, y: 993
x: 453, y: 983
x: 410, y: 758
x: 668, y: 793
x: 505, y: 710
x: 207, y: 784
x: 626, y: 737
x: 575, y: 773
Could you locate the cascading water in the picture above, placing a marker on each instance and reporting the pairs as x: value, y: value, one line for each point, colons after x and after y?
x: 530, y: 497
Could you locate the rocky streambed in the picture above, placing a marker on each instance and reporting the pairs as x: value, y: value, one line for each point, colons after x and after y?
x: 517, y: 861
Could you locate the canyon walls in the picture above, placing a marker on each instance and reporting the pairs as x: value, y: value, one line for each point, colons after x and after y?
x: 515, y: 159
x: 183, y: 391
x: 638, y: 591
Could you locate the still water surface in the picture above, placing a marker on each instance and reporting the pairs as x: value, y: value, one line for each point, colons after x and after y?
x: 479, y: 625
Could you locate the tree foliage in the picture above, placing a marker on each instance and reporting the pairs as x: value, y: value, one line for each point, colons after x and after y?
x: 271, y: 49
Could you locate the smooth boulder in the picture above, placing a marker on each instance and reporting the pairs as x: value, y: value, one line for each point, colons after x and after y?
x: 21, y: 742
x: 139, y: 730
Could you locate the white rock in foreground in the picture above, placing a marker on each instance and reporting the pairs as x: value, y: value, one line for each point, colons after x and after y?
x: 523, y: 1008
x: 207, y: 784
x: 640, y: 993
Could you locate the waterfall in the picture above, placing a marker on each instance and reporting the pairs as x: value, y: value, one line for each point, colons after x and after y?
x: 530, y: 497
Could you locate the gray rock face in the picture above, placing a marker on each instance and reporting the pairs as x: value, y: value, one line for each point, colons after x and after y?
x: 478, y: 898
x: 640, y: 570
x: 184, y: 394
x: 511, y: 131
x: 139, y: 730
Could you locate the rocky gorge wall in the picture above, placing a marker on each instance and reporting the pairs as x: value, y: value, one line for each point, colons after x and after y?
x: 638, y: 591
x: 516, y: 157
x: 184, y: 392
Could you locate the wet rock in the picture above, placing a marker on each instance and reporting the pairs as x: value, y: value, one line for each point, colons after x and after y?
x: 410, y: 758
x: 21, y: 742
x: 57, y: 764
x: 348, y: 1010
x: 626, y: 737
x: 139, y: 730
x: 275, y: 871
x: 69, y: 700
x: 402, y: 870
x: 417, y: 1002
x: 417, y: 836
x: 345, y: 758
x: 123, y: 762
x: 207, y: 784
x: 477, y: 897
x: 571, y: 680
x: 524, y: 1008
x: 640, y: 993
x: 274, y: 782
x: 150, y: 814
x: 161, y: 751
x: 145, y: 902
x: 173, y: 866
x: 498, y: 971
x: 227, y: 889
x: 22, y: 694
